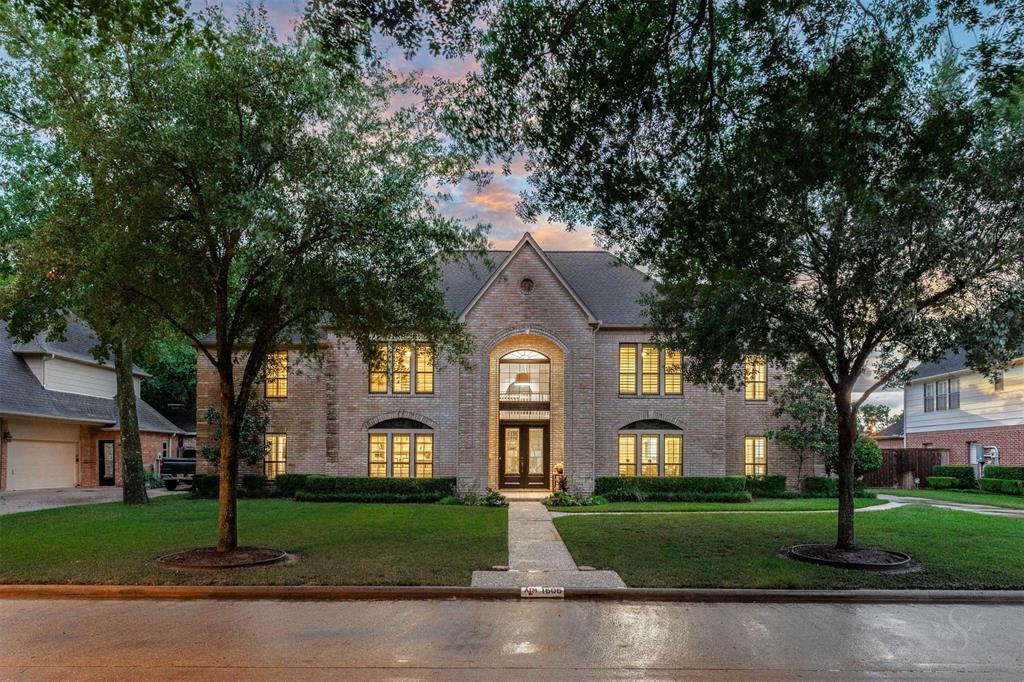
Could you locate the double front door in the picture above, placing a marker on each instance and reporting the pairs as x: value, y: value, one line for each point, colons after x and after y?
x: 523, y: 455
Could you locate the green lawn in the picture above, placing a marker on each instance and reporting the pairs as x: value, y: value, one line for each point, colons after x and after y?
x: 337, y: 544
x: 799, y: 504
x: 957, y: 550
x: 965, y: 496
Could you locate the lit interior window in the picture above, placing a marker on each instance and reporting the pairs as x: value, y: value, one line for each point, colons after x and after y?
x: 424, y: 455
x: 424, y: 369
x: 378, y: 455
x: 673, y: 455
x: 276, y: 385
x: 400, y: 455
x: 755, y: 456
x: 379, y: 370
x: 401, y: 369
x: 755, y: 378
x: 275, y: 459
x: 627, y: 454
x: 673, y: 372
x: 627, y: 369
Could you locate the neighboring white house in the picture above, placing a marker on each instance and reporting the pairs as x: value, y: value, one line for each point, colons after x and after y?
x: 58, y: 415
x: 950, y: 406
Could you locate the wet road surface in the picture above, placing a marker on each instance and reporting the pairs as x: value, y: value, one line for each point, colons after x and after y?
x: 496, y: 640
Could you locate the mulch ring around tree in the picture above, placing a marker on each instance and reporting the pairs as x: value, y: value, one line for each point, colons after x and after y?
x: 861, y: 558
x: 209, y: 558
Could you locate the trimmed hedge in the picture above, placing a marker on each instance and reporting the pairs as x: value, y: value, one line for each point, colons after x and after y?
x: 254, y: 483
x: 1006, y: 486
x: 1012, y: 473
x: 822, y: 486
x: 206, y: 485
x: 289, y: 484
x: 963, y: 474
x: 767, y: 486
x: 344, y: 489
x: 672, y: 488
x: 941, y: 482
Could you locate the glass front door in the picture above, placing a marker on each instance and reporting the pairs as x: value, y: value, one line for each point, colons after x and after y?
x: 107, y: 462
x: 523, y: 456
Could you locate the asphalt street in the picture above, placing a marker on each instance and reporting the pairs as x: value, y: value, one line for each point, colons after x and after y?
x: 500, y: 640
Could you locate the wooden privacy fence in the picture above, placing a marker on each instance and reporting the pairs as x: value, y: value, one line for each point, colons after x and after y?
x: 901, y: 466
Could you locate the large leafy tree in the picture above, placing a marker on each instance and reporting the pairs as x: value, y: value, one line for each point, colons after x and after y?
x: 260, y: 194
x: 836, y: 181
x: 49, y: 194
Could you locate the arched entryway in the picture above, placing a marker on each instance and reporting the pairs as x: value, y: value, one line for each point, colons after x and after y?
x: 526, y: 413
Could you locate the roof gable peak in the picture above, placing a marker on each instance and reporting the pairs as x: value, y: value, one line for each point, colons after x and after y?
x: 524, y: 241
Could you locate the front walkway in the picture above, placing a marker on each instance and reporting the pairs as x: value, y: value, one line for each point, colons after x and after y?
x: 16, y: 501
x: 537, y: 557
x: 958, y: 506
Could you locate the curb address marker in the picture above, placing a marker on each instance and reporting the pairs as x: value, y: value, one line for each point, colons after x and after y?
x: 542, y: 592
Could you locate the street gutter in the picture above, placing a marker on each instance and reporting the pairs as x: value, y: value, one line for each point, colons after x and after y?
x: 358, y: 593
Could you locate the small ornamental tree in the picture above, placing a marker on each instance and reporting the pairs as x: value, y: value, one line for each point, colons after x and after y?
x: 263, y: 192
x: 252, y: 444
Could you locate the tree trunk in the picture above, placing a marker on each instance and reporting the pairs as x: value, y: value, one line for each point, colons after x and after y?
x: 227, y: 517
x: 133, y: 479
x: 846, y: 422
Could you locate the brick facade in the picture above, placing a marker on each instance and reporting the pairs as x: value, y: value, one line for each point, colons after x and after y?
x: 329, y: 410
x: 1009, y: 440
x: 89, y: 446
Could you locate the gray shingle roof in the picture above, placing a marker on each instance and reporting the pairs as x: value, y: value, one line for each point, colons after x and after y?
x: 21, y: 393
x: 953, y: 361
x: 77, y: 344
x: 893, y: 430
x: 608, y: 288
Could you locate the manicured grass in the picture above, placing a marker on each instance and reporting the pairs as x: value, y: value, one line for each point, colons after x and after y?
x: 337, y: 544
x: 956, y: 550
x: 798, y: 504
x: 964, y: 496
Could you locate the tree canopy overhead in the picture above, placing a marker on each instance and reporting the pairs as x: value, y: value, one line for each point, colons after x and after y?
x: 837, y: 181
x: 252, y: 191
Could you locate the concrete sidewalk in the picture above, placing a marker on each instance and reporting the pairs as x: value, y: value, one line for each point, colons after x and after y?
x: 537, y: 557
x: 957, y: 506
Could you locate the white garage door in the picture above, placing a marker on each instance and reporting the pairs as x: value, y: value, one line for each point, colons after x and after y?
x: 42, y: 458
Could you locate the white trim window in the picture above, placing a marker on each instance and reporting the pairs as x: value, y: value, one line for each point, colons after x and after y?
x: 404, y: 453
x: 650, y: 453
x: 402, y: 369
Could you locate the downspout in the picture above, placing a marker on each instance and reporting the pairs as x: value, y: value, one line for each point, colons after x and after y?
x: 905, y: 420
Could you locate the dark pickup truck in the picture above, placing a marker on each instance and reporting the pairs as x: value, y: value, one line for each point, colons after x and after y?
x: 178, y: 470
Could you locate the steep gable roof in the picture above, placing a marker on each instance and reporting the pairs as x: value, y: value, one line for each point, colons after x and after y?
x: 77, y: 344
x: 607, y: 290
x: 22, y: 394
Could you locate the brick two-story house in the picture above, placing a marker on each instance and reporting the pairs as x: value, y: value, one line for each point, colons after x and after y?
x: 58, y: 414
x: 562, y: 376
x: 948, y: 405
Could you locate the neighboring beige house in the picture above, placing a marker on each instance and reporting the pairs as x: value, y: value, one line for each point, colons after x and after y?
x: 563, y: 375
x: 58, y: 416
x: 950, y: 406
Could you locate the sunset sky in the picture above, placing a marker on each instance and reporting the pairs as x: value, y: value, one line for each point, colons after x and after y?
x: 494, y: 204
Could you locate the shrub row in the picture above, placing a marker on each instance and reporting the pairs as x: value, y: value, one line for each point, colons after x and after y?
x: 767, y: 486
x: 673, y: 489
x: 1012, y: 473
x: 389, y: 498
x: 963, y: 474
x: 342, y: 489
x: 207, y: 486
x: 1007, y: 486
x: 941, y: 482
x: 822, y: 486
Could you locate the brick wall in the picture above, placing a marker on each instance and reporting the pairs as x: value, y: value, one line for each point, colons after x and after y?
x: 1009, y: 440
x: 88, y: 452
x: 329, y: 409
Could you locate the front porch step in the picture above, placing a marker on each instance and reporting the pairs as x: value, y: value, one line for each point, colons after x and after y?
x: 525, y: 495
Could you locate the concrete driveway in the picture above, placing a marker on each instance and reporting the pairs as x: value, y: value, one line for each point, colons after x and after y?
x: 493, y: 640
x: 16, y: 501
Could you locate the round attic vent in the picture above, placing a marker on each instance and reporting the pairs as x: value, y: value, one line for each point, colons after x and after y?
x: 526, y: 286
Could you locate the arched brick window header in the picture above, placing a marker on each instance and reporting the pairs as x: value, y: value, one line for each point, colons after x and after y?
x: 650, y: 425
x: 400, y: 423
